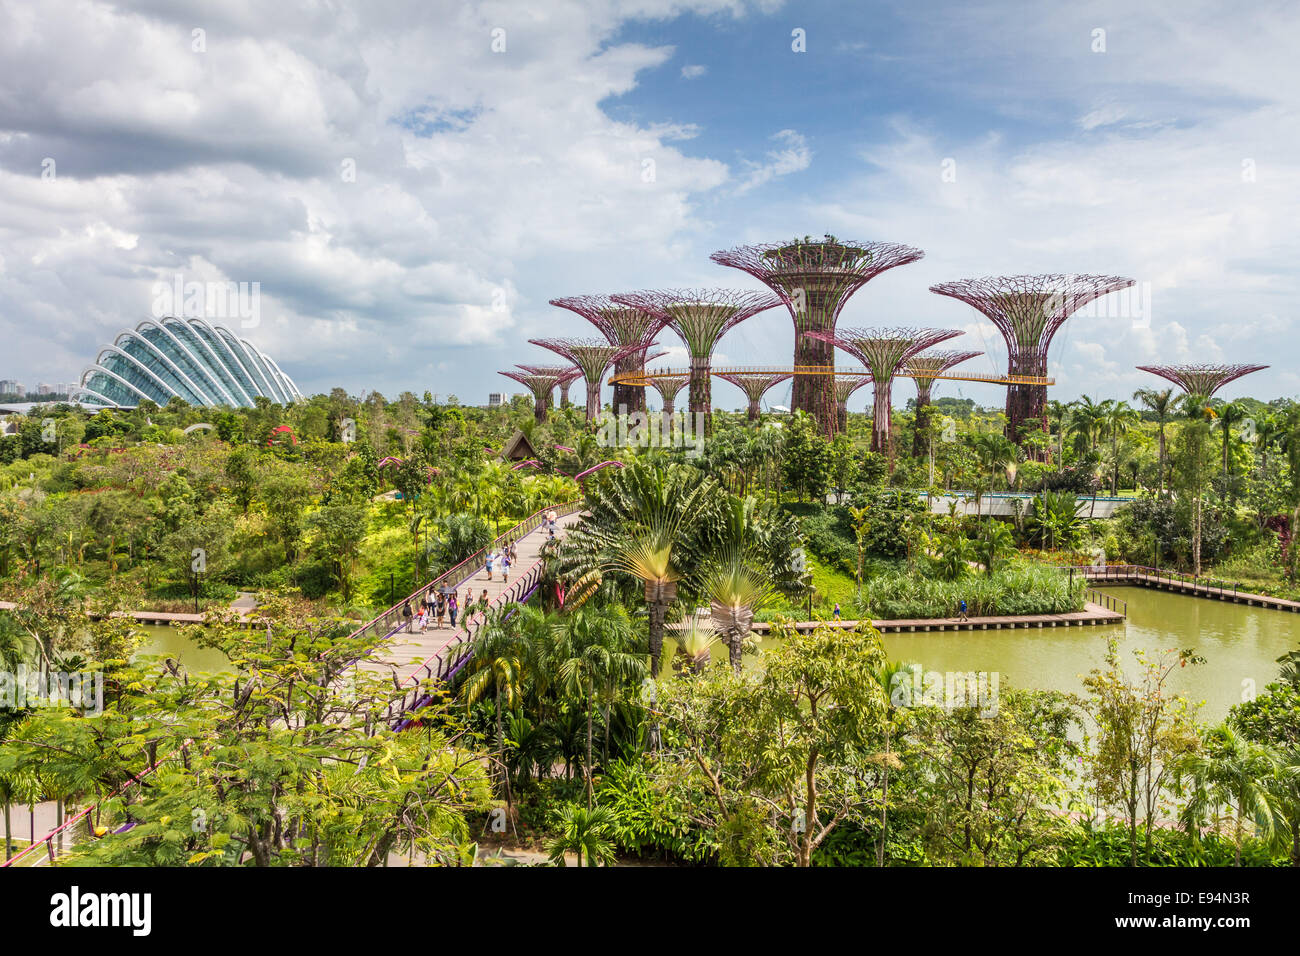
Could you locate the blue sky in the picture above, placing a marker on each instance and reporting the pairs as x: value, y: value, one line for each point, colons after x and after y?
x: 488, y: 181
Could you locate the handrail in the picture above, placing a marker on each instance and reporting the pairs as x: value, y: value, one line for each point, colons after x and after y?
x: 390, y: 619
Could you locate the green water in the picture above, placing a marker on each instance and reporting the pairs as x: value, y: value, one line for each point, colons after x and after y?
x: 167, y: 641
x: 1239, y: 643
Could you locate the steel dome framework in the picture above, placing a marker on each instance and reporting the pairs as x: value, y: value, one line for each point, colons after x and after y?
x: 192, y: 359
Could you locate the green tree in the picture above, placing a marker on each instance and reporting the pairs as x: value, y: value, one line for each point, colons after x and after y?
x: 337, y: 532
x: 1142, y: 734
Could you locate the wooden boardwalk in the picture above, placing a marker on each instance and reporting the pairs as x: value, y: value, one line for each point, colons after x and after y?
x: 1139, y: 576
x: 1091, y: 615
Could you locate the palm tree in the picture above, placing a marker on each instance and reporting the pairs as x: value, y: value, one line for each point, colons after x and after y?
x: 993, y: 544
x: 1087, y: 419
x: 1057, y: 413
x: 1269, y: 431
x: 1230, y: 414
x: 504, y: 659
x: 639, y: 522
x: 585, y: 832
x: 1120, y: 416
x: 594, y: 652
x: 695, y: 641
x: 1160, y: 402
x: 738, y: 579
x: 994, y: 452
x: 1230, y: 772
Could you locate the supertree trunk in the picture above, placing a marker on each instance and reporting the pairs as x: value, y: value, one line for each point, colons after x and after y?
x: 541, y: 406
x: 922, y: 420
x: 628, y: 397
x: 815, y: 393
x: 1027, y: 404
x: 752, y: 413
x: 564, y: 394
x: 701, y: 391
x: 882, y: 426
x: 842, y: 416
x: 593, y: 402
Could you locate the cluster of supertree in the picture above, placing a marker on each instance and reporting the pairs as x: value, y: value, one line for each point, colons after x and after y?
x: 814, y: 279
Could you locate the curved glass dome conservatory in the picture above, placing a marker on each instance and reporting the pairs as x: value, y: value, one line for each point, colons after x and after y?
x: 204, y: 364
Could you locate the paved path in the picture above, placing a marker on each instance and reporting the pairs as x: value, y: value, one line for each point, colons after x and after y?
x: 408, y: 650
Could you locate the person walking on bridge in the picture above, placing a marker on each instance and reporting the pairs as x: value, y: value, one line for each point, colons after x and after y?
x: 490, y: 557
x: 452, y: 607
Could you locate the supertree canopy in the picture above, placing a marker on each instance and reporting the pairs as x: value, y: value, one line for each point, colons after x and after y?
x: 883, y: 351
x: 565, y: 375
x: 541, y: 386
x: 625, y: 326
x: 754, y: 385
x: 814, y: 278
x: 1028, y: 310
x: 923, y: 369
x: 844, y: 389
x: 700, y: 317
x: 668, y: 384
x: 592, y: 356
x: 1203, y: 380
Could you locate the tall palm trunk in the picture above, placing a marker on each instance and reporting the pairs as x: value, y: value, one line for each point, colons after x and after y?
x: 658, y: 595
x: 1162, y: 460
x: 588, y: 768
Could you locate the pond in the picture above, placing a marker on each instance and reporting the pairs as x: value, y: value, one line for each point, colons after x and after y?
x: 167, y: 641
x: 1240, y: 645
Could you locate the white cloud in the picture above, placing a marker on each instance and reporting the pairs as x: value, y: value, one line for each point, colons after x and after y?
x: 694, y: 71
x: 793, y: 155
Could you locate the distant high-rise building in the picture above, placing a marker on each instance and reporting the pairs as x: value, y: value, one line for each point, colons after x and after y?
x: 496, y: 399
x: 44, y: 388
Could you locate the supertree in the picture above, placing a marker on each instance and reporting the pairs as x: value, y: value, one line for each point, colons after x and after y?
x: 883, y: 351
x: 565, y: 375
x: 844, y: 389
x: 627, y: 327
x: 814, y: 278
x: 754, y: 384
x: 1202, y: 380
x: 700, y: 317
x: 592, y: 356
x: 1028, y: 311
x: 541, y: 386
x: 668, y: 384
x: 923, y: 369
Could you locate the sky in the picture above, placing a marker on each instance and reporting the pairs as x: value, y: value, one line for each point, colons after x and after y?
x: 409, y: 183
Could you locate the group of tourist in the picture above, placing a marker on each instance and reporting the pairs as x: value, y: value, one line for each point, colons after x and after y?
x: 503, y: 560
x: 434, y: 608
x: 438, y: 607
